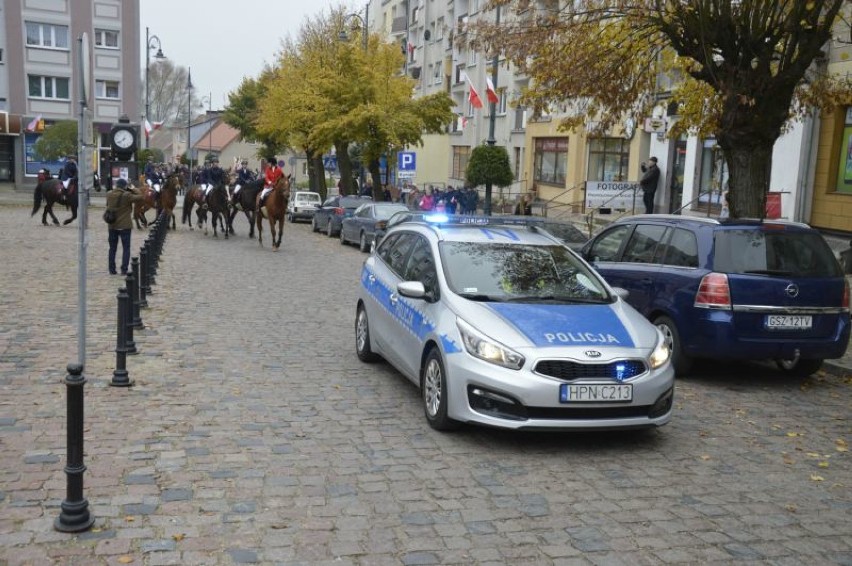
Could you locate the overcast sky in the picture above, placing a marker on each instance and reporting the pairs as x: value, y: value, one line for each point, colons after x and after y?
x: 224, y: 40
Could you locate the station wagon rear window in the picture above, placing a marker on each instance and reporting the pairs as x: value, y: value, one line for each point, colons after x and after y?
x: 791, y: 253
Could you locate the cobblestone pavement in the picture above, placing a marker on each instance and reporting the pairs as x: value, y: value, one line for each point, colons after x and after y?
x: 254, y: 435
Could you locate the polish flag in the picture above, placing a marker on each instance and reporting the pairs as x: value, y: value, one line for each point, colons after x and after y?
x: 473, y: 98
x: 490, y: 93
x: 34, y: 124
x: 150, y: 128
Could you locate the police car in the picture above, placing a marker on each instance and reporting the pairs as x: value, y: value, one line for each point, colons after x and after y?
x: 502, y: 325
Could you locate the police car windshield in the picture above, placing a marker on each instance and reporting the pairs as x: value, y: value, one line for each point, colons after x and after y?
x: 519, y: 273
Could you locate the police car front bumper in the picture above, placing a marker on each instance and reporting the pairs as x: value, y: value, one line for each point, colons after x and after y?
x: 488, y: 394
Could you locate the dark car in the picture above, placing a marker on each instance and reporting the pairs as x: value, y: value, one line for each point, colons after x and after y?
x: 329, y: 217
x: 730, y: 290
x: 361, y: 226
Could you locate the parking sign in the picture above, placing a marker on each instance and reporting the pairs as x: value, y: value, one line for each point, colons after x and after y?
x: 407, y: 161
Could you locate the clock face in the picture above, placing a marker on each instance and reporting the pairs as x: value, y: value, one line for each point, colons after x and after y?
x: 123, y: 139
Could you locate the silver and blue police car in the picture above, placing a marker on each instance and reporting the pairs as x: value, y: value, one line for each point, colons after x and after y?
x: 503, y: 325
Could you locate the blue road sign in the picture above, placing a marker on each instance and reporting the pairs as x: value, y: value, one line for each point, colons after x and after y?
x: 407, y: 161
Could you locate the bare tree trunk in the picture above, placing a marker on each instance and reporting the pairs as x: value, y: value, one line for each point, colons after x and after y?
x: 376, y: 176
x: 319, y: 170
x: 748, y: 180
x: 344, y: 164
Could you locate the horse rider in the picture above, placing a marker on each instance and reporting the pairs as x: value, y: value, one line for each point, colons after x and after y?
x: 215, y: 177
x: 153, y: 178
x: 273, y: 173
x: 244, y: 177
x: 69, y: 171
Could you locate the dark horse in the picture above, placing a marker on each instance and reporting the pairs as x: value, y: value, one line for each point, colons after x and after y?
x: 168, y: 196
x: 51, y: 191
x: 246, y: 199
x: 218, y: 205
x: 194, y: 196
x: 276, y: 207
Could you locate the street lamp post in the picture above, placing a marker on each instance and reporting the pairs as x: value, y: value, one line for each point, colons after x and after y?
x: 209, y: 100
x: 343, y: 36
x: 151, y: 42
x: 189, y: 123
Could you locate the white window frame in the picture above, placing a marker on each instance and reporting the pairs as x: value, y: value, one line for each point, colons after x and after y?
x: 45, y: 30
x: 472, y: 57
x: 438, y: 74
x: 52, y: 81
x: 439, y: 29
x: 502, y: 103
x: 101, y: 36
x: 102, y: 90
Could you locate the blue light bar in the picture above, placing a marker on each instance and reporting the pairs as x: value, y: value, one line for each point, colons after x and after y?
x: 436, y: 218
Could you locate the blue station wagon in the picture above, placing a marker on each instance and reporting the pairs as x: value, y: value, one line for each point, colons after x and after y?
x: 730, y: 290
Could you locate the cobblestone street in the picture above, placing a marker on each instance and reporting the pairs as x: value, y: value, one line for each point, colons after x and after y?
x: 254, y: 434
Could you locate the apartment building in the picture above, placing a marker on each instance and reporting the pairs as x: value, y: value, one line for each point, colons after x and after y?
x: 40, y: 76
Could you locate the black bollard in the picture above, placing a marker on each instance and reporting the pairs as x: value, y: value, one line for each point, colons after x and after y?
x: 120, y: 376
x: 145, y: 259
x: 74, y: 516
x: 143, y: 301
x: 135, y: 294
x: 129, y: 343
x: 152, y: 261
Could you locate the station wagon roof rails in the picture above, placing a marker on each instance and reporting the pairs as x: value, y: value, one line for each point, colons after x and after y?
x: 702, y: 219
x: 770, y: 221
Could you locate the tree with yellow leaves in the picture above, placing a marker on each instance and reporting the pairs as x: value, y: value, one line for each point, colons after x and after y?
x: 743, y: 68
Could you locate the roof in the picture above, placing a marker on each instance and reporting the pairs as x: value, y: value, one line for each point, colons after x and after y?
x: 217, y: 138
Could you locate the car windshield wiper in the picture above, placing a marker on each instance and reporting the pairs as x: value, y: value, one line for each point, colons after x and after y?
x: 557, y: 298
x: 482, y: 298
x: 767, y: 272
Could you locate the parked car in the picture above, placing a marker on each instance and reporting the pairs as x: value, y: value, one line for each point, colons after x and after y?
x: 361, y: 226
x: 329, y: 217
x: 730, y: 290
x: 504, y: 326
x: 303, y: 205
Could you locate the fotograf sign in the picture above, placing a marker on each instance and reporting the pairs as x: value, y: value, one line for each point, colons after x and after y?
x: 622, y: 195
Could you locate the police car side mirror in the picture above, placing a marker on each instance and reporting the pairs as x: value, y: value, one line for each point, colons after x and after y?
x: 621, y: 293
x: 412, y: 289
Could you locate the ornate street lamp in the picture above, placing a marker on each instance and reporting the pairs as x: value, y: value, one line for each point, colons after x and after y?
x: 151, y: 42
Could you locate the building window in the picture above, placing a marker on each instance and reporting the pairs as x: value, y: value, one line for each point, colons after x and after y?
x: 106, y: 38
x: 106, y: 89
x: 437, y: 75
x: 608, y: 159
x: 1, y: 57
x: 501, y: 104
x: 47, y: 35
x: 549, y: 163
x: 48, y: 87
x: 472, y: 57
x: 461, y: 155
x: 439, y: 29
x: 844, y: 171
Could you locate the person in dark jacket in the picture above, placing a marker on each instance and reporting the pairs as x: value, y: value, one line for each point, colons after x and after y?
x: 648, y: 182
x: 121, y: 199
x: 69, y: 171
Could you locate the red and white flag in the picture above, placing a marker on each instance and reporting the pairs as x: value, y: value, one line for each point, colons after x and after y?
x: 473, y: 97
x: 150, y: 128
x: 490, y: 92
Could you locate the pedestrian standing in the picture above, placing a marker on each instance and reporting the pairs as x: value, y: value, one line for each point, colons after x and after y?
x: 121, y: 199
x: 649, y: 180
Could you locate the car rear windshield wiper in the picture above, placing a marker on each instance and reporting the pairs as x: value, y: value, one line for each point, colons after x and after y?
x: 482, y: 298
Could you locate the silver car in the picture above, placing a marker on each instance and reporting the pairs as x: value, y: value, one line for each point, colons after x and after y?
x: 503, y: 325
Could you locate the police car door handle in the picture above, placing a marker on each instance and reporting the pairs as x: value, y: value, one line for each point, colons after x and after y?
x: 371, y: 279
x: 394, y: 298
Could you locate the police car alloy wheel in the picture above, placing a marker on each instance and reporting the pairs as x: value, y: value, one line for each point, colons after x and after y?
x: 362, y: 337
x: 435, y: 393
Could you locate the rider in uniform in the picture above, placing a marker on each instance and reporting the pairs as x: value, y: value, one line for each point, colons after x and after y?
x: 244, y: 177
x: 153, y: 177
x: 215, y: 177
x: 273, y: 173
x: 69, y: 171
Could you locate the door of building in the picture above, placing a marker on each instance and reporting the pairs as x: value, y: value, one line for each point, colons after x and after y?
x: 678, y: 162
x: 7, y: 159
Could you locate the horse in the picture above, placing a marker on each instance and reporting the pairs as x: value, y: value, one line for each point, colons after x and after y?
x: 168, y: 196
x: 148, y: 202
x: 276, y: 207
x: 51, y: 191
x: 194, y: 196
x: 246, y: 199
x: 218, y: 205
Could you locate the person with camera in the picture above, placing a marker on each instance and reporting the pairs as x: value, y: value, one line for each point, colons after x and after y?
x: 648, y: 182
x: 120, y: 200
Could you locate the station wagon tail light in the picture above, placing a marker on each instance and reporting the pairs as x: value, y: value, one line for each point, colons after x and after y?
x: 339, y: 211
x: 481, y: 346
x: 714, y: 292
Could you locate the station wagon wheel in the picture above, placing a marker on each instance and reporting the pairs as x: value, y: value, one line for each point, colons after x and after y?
x: 799, y: 368
x: 342, y: 239
x: 362, y: 243
x: 681, y: 362
x: 433, y: 389
x: 362, y: 337
x: 290, y: 217
x: 314, y: 225
x: 328, y: 230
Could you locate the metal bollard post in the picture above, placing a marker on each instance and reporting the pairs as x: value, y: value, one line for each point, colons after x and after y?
x: 135, y: 294
x: 143, y: 301
x: 120, y: 376
x: 145, y: 254
x: 129, y: 343
x: 74, y: 516
x: 152, y: 261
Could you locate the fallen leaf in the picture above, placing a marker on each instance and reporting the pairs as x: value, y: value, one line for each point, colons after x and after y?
x: 705, y: 456
x: 813, y: 454
x: 815, y: 477
x: 791, y: 508
x: 179, y: 537
x: 823, y: 464
x: 840, y: 442
x: 841, y: 449
x: 794, y: 434
x: 125, y: 559
x: 129, y: 519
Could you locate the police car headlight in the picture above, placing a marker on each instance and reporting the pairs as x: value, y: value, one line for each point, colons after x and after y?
x: 660, y: 355
x: 484, y: 348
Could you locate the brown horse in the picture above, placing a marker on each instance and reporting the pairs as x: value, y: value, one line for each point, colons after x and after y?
x: 276, y: 207
x: 148, y: 202
x: 168, y: 196
x: 194, y: 196
x: 51, y: 191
